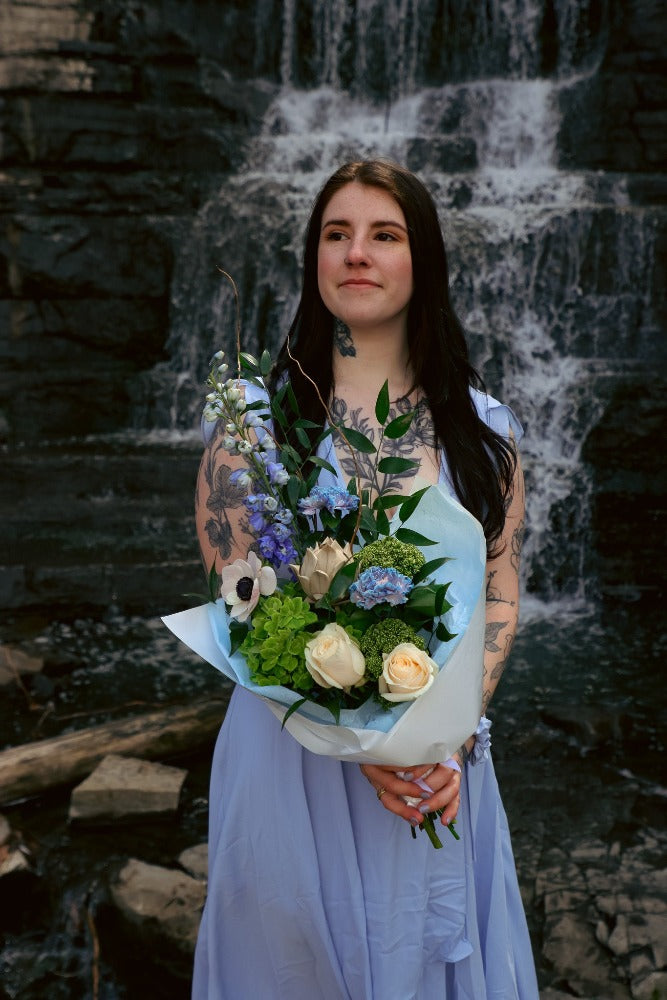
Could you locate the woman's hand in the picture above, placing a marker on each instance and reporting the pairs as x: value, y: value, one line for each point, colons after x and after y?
x: 445, y: 783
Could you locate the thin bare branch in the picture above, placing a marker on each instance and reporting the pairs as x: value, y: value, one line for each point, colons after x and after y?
x: 237, y: 306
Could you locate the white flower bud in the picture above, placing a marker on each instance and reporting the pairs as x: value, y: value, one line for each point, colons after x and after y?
x: 240, y: 405
x: 229, y: 444
x: 270, y: 504
x: 230, y: 428
x: 233, y: 393
x: 244, y: 447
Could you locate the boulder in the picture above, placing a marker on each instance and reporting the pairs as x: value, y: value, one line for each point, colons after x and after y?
x: 195, y: 861
x: 162, y: 905
x: 651, y: 987
x: 15, y: 663
x: 572, y: 949
x: 126, y: 788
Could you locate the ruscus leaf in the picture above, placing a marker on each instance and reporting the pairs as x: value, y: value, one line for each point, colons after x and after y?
x: 382, y: 522
x: 414, y: 537
x: 429, y: 567
x: 382, y: 404
x: 249, y: 362
x: 399, y: 426
x: 396, y: 465
x: 290, y: 711
x: 409, y: 506
x: 321, y: 463
x: 358, y: 440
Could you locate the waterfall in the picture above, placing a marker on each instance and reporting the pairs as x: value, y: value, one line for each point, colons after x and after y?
x: 530, y: 244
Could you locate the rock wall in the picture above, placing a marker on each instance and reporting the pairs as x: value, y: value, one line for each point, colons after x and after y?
x: 130, y: 134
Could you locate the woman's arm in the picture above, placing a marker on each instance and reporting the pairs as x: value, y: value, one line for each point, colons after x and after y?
x: 222, y: 524
x: 502, y: 600
x: 502, y: 592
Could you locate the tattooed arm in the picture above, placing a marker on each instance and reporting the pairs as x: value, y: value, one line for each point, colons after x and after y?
x: 502, y: 592
x: 222, y: 525
x: 502, y: 601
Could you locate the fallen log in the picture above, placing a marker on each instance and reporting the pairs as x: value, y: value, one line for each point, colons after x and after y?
x: 35, y: 767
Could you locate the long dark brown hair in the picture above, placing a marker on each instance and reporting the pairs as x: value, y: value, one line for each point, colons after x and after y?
x: 481, y: 462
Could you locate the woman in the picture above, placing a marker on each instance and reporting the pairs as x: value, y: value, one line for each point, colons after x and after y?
x: 316, y: 889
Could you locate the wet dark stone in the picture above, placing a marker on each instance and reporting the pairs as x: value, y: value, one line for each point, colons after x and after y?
x: 449, y: 154
x: 25, y: 901
x: 590, y: 727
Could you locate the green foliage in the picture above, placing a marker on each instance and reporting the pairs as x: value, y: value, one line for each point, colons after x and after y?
x: 274, y: 647
x: 382, y: 638
x: 391, y: 552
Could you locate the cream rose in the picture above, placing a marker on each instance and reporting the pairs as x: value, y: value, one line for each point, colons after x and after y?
x: 407, y: 673
x: 334, y: 659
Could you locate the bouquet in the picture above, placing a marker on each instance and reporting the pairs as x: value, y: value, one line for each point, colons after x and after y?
x: 337, y: 616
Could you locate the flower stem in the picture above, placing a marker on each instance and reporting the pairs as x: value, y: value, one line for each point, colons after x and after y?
x: 427, y: 824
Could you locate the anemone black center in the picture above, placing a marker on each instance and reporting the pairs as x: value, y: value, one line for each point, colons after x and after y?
x: 244, y: 588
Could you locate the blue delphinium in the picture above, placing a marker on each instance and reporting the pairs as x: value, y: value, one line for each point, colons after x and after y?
x: 269, y: 522
x: 333, y: 498
x: 377, y: 585
x: 258, y: 502
x: 275, y: 544
x: 241, y: 478
x: 276, y: 471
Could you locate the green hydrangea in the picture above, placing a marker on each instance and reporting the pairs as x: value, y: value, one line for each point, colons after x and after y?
x: 382, y: 638
x: 274, y: 646
x: 390, y: 552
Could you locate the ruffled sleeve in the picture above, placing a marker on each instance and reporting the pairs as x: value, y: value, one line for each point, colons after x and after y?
x: 253, y: 393
x: 497, y: 416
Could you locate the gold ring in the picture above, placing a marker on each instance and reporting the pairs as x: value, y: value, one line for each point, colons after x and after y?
x: 380, y: 792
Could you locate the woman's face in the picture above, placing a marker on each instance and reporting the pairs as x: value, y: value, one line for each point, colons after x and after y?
x: 364, y: 264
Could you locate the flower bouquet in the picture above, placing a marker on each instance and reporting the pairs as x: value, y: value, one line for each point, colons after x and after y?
x: 340, y: 616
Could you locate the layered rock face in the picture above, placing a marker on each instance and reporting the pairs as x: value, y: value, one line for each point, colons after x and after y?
x: 146, y: 144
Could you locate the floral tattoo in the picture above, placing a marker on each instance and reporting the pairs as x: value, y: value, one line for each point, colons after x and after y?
x: 419, y: 435
x: 343, y: 339
x: 223, y: 496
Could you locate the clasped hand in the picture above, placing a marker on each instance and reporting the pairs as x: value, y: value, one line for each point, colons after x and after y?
x: 444, y: 782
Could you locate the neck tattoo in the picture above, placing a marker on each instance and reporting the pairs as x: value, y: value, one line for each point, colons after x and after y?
x: 343, y: 339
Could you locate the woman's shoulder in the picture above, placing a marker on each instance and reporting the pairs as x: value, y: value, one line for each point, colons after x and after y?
x: 496, y: 415
x: 252, y: 393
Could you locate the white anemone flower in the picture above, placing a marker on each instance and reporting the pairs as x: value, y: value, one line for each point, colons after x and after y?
x: 242, y: 584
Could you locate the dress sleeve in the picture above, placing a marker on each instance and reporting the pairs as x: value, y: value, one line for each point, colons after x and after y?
x: 497, y: 416
x: 252, y: 392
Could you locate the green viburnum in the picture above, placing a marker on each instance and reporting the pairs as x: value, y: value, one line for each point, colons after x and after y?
x: 382, y: 638
x: 392, y: 553
x: 274, y: 647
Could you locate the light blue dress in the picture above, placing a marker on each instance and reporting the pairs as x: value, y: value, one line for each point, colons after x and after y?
x: 316, y: 892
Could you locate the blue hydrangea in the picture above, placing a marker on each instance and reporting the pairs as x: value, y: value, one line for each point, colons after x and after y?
x: 333, y: 498
x: 377, y: 585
